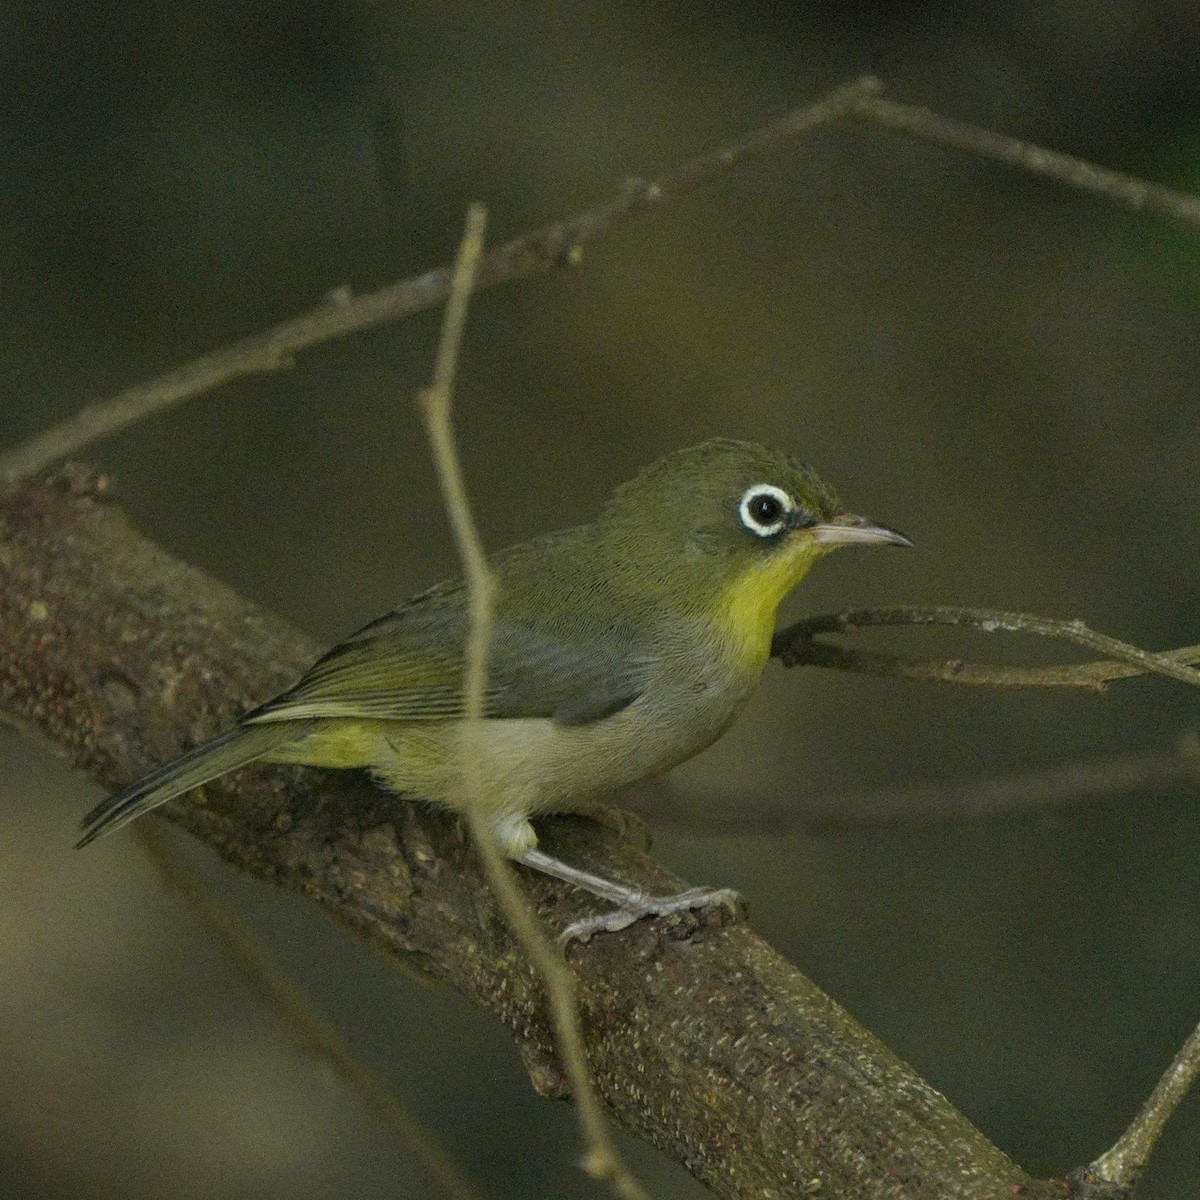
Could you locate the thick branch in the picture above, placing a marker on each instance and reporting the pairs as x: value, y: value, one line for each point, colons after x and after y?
x: 700, y: 1037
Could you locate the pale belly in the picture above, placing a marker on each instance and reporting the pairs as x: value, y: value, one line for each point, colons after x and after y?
x: 534, y: 765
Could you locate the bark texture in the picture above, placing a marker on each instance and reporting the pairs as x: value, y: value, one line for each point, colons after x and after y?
x: 702, y: 1039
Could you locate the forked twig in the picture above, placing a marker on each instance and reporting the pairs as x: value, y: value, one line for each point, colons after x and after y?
x: 555, y: 245
x: 560, y: 244
x: 601, y: 1160
x: 796, y: 646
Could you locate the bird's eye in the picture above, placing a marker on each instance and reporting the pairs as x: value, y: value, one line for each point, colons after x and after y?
x: 764, y: 509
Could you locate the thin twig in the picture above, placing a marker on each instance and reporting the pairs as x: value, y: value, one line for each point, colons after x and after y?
x: 556, y: 245
x: 787, y: 813
x: 315, y: 1036
x: 1136, y: 193
x: 1091, y: 676
x: 601, y: 1159
x: 1115, y: 1173
x: 795, y: 646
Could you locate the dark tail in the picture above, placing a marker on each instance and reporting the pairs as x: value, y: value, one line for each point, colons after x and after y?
x: 233, y: 749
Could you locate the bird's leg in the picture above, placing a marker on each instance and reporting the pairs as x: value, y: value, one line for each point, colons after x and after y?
x: 628, y: 826
x: 630, y: 904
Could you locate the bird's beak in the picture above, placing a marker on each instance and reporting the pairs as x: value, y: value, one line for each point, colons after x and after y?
x: 846, y: 528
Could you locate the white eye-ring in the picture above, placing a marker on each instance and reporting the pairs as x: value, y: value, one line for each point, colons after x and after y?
x: 765, y: 509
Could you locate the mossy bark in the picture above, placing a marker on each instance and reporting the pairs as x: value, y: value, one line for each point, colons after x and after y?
x: 702, y: 1039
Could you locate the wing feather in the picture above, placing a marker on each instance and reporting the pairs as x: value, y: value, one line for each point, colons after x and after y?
x: 408, y: 666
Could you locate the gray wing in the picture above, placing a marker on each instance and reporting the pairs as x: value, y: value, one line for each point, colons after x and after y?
x: 409, y: 666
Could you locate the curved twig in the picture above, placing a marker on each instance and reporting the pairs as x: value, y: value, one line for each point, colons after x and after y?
x: 602, y: 1159
x: 796, y: 646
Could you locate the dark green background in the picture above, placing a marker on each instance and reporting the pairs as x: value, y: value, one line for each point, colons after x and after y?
x: 1005, y: 369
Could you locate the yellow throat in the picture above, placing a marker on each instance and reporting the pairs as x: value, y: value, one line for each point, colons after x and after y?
x: 750, y: 600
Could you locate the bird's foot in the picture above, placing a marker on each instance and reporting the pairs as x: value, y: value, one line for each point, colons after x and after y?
x: 636, y: 905
x: 629, y: 904
x: 628, y: 826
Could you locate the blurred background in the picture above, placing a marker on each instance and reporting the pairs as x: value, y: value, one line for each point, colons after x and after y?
x: 1001, y: 367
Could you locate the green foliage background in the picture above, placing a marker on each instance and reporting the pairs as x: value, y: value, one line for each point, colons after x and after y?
x: 1002, y: 368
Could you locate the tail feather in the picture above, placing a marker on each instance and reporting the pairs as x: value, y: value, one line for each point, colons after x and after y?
x: 230, y: 750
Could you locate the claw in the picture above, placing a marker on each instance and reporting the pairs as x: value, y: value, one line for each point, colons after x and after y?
x: 629, y: 904
x: 634, y: 909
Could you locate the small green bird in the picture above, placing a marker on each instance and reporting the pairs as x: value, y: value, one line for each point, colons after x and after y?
x: 619, y: 649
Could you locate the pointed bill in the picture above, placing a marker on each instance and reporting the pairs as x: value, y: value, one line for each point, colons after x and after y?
x: 847, y: 528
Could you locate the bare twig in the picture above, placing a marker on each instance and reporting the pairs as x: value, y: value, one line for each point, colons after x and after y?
x: 1092, y: 676
x: 601, y: 1159
x: 560, y: 244
x: 786, y: 814
x: 556, y: 245
x: 1114, y: 1175
x: 288, y: 1003
x: 795, y: 646
x: 1076, y: 172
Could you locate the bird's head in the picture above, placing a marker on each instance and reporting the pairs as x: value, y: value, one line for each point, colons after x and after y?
x: 731, y: 525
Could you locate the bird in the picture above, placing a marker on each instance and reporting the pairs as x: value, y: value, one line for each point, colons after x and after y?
x: 618, y: 649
